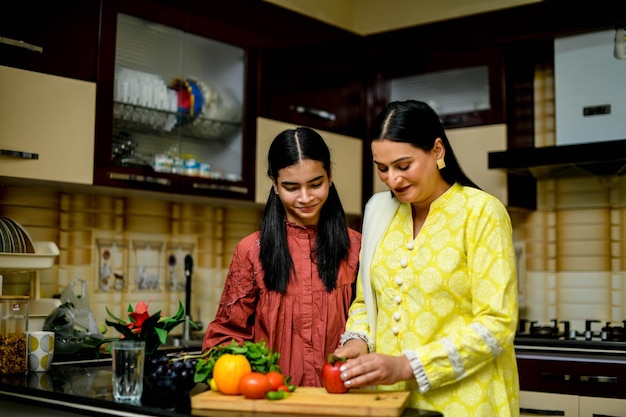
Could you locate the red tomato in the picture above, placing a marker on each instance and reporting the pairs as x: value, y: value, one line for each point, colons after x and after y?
x: 254, y: 385
x: 283, y: 388
x: 331, y: 375
x: 276, y: 379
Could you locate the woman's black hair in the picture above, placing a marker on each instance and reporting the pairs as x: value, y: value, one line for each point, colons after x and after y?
x: 416, y: 123
x: 332, y: 244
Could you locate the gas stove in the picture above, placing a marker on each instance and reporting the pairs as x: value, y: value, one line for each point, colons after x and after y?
x: 596, y: 337
x: 557, y: 358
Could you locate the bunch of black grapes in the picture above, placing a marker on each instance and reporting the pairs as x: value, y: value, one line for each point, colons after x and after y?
x: 172, y: 372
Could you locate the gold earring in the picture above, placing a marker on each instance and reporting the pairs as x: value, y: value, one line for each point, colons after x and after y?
x: 441, y: 163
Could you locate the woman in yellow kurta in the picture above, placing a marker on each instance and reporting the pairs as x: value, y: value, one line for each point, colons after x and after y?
x: 436, y: 306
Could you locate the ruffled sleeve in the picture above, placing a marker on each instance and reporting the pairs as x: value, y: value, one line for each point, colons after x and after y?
x: 235, y: 314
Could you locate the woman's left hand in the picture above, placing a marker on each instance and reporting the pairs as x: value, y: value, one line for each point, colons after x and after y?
x: 375, y: 369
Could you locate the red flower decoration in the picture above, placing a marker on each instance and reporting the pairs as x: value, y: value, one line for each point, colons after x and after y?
x: 152, y: 329
x: 138, y: 317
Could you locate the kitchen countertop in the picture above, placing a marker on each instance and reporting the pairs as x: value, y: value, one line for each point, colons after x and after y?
x: 86, y: 390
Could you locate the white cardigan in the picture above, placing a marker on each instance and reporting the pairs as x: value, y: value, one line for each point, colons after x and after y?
x: 379, y: 212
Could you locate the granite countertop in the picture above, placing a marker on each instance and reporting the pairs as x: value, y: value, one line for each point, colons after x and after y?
x: 86, y: 390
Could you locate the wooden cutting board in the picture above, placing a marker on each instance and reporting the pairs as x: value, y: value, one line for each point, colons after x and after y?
x: 307, y: 401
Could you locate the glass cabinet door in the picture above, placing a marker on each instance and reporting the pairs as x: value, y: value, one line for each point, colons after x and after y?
x: 177, y: 110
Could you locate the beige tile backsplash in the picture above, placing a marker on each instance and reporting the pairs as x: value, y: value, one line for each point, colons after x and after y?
x: 574, y: 248
x: 575, y: 242
x: 134, y: 237
x: 573, y: 265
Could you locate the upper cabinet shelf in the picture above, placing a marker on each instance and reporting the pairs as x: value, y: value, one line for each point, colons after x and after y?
x: 598, y: 159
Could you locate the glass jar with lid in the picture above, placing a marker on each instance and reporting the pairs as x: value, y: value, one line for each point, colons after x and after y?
x: 13, y: 334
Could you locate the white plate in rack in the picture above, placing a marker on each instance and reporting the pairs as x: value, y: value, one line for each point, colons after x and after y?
x: 43, y: 258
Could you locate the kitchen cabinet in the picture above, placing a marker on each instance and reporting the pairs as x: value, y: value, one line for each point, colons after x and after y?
x: 471, y: 146
x: 547, y: 404
x: 346, y: 155
x: 605, y: 407
x: 46, y: 126
x: 173, y: 98
x: 550, y: 404
x: 464, y: 85
x: 572, y: 381
x: 59, y: 38
x: 322, y: 87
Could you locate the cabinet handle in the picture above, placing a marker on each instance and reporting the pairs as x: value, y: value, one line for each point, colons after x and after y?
x: 19, y: 154
x: 453, y: 120
x: 594, y: 379
x: 537, y: 412
x: 232, y: 188
x: 21, y: 44
x: 139, y: 178
x: 322, y: 114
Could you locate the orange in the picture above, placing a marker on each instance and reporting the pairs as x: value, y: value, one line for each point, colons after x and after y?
x: 228, y: 370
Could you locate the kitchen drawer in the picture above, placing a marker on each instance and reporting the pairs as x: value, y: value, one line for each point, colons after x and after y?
x: 533, y: 404
x: 590, y: 375
x: 605, y: 407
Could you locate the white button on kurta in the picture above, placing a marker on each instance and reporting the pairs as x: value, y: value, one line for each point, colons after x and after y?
x: 398, y: 281
x: 395, y: 330
x: 396, y: 316
x: 397, y: 299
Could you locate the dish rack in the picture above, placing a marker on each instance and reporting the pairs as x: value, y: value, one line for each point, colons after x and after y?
x: 16, y: 263
x: 43, y: 258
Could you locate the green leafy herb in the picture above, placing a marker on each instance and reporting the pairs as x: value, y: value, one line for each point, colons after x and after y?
x: 262, y: 359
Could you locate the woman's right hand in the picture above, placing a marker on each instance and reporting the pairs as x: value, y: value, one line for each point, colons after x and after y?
x: 353, y: 348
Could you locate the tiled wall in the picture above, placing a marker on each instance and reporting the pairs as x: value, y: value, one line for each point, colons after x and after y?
x: 129, y: 249
x: 575, y: 242
x: 575, y: 249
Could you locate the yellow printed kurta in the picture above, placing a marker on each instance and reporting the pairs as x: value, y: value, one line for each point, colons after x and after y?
x: 448, y: 299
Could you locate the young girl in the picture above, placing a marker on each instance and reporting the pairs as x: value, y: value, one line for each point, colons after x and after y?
x: 292, y: 282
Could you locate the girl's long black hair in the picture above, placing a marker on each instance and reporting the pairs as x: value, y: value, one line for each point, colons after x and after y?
x: 332, y: 244
x: 415, y: 122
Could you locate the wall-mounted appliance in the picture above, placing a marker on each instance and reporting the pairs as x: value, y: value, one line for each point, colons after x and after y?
x: 590, y: 87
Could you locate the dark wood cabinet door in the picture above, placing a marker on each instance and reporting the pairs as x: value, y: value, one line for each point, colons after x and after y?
x: 58, y: 38
x: 321, y: 86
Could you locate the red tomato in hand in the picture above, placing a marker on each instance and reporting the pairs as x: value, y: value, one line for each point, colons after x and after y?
x: 276, y: 379
x: 331, y: 375
x: 254, y: 385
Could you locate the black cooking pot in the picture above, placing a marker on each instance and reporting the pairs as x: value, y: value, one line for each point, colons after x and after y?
x: 614, y: 333
x: 544, y: 331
